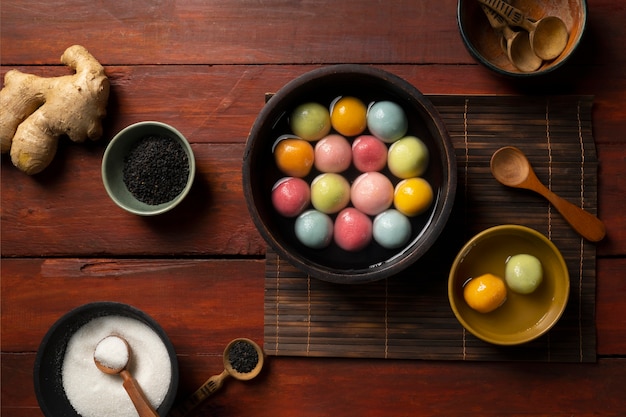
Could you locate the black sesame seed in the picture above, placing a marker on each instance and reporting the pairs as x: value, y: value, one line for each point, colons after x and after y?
x: 243, y: 356
x: 156, y: 169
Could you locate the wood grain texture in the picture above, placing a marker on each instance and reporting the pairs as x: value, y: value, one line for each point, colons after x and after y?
x: 218, y: 103
x: 198, y: 302
x: 251, y: 32
x: 205, y: 67
x: 427, y: 388
x: 179, y: 295
x: 30, y: 203
x: 241, y: 31
x: 610, y: 315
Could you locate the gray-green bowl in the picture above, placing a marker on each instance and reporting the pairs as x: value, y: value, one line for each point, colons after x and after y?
x: 113, y: 166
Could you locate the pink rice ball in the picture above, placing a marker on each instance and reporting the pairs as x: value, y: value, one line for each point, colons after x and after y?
x: 372, y: 193
x: 290, y: 196
x: 353, y: 230
x: 369, y: 153
x: 333, y: 154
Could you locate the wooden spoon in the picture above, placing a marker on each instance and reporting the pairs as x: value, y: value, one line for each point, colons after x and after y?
x: 510, y: 167
x: 215, y: 382
x: 516, y: 44
x: 112, y: 356
x: 548, y: 35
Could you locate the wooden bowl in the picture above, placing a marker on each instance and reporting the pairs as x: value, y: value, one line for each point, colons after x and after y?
x: 243, y: 376
x: 260, y: 173
x: 521, y: 318
x: 483, y: 42
x: 48, y: 369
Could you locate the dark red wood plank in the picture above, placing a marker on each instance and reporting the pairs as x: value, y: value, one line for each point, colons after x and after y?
x: 611, y: 192
x: 220, y: 103
x: 242, y: 32
x: 205, y: 67
x: 201, y: 304
x: 250, y: 32
x: 610, y: 306
x: 216, y: 120
x: 322, y: 387
x: 68, y: 213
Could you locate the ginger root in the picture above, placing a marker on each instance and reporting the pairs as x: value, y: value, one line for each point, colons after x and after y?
x: 36, y: 111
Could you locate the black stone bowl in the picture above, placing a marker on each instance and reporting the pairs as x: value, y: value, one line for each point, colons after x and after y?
x: 49, y: 360
x: 260, y: 172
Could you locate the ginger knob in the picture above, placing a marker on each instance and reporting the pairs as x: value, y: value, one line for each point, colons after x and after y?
x: 36, y: 111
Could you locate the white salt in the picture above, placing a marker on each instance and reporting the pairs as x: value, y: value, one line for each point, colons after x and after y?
x: 93, y: 393
x: 112, y: 352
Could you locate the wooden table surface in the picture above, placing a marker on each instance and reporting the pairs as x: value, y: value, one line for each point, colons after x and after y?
x: 204, y: 67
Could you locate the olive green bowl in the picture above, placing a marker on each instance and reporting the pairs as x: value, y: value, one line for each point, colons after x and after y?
x: 521, y: 318
x: 113, y: 167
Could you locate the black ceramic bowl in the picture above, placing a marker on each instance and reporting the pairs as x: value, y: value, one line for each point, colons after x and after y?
x: 49, y: 360
x: 260, y: 173
x: 483, y: 43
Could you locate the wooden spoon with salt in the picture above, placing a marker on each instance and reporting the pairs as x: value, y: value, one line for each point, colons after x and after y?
x: 112, y: 356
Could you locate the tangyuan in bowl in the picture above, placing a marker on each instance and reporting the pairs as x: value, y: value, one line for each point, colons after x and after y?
x: 510, y: 304
x: 307, y: 130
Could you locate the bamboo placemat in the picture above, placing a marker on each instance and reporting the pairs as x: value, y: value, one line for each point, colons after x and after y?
x: 408, y: 315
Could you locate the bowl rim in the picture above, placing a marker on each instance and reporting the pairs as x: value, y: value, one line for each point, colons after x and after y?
x: 105, y: 308
x: 517, y: 75
x: 486, y: 234
x: 449, y: 175
x: 159, y: 208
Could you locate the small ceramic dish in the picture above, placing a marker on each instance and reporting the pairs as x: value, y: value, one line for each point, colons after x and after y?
x: 484, y: 43
x: 260, y: 173
x: 51, y: 355
x: 115, y: 161
x: 522, y: 317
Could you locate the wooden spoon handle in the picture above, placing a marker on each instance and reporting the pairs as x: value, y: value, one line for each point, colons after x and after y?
x: 495, y: 20
x: 137, y: 396
x: 206, y: 390
x: 585, y: 223
x: 512, y: 15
